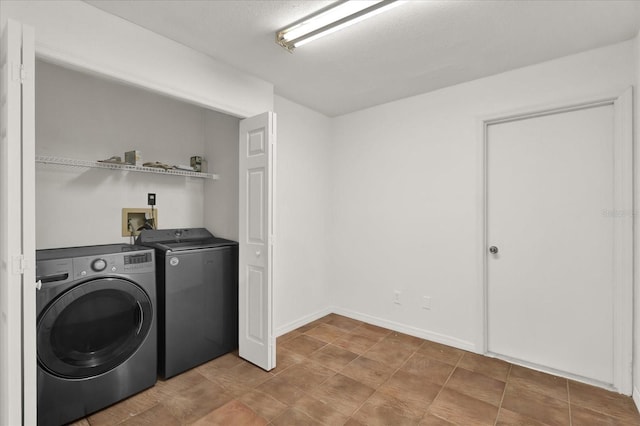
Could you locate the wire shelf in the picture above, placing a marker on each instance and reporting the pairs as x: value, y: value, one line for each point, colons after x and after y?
x: 122, y: 167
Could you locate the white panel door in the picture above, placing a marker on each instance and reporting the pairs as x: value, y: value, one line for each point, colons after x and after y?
x: 551, y: 286
x: 17, y: 219
x: 257, y: 143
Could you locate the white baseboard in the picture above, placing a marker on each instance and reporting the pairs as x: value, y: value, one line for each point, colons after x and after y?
x: 391, y: 325
x: 636, y: 397
x: 284, y: 329
x: 407, y: 329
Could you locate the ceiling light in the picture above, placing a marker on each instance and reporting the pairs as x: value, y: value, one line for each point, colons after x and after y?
x: 337, y: 16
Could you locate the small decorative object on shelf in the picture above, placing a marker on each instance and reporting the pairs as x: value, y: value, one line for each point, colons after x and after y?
x: 112, y: 160
x: 133, y: 157
x: 157, y: 165
x: 116, y: 164
x: 196, y: 163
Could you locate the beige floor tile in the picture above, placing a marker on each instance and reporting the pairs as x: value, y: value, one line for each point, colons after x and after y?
x: 509, y: 418
x: 333, y: 357
x: 245, y: 374
x: 307, y: 376
x: 534, y: 405
x: 125, y: 409
x: 389, y: 353
x: 325, y: 332
x: 293, y: 417
x: 232, y: 413
x: 367, y: 375
x: 410, y: 342
x: 462, y: 409
x: 382, y: 409
x: 311, y: 325
x: 343, y: 393
x: 537, y: 381
x: 353, y: 422
x: 262, y: 404
x: 286, y: 359
x: 356, y: 343
x: 158, y: 415
x: 477, y: 386
x: 320, y: 411
x: 303, y: 345
x: 609, y: 403
x: 281, y: 389
x: 431, y: 370
x: 411, y: 388
x: 584, y: 417
x: 288, y: 336
x: 166, y: 389
x: 440, y: 352
x: 431, y: 420
x: 371, y: 373
x: 194, y: 403
x: 491, y: 367
x: 222, y: 363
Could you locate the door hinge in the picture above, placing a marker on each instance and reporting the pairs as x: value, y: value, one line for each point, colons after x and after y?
x: 19, y: 264
x: 18, y: 73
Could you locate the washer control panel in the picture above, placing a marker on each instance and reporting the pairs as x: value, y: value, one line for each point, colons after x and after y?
x: 134, y: 262
x: 99, y: 265
x: 139, y: 262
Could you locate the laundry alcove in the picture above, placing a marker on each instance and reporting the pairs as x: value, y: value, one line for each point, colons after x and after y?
x: 83, y: 116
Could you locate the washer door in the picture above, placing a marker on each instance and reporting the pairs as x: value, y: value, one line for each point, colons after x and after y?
x: 93, y: 327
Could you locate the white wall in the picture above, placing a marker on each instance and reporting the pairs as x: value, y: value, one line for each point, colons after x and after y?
x: 404, y: 206
x: 221, y: 196
x: 77, y: 34
x: 85, y: 117
x: 301, y: 291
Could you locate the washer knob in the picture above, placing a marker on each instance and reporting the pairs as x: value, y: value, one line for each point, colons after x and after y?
x: 99, y: 265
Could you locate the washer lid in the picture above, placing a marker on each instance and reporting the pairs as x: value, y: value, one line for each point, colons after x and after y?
x: 181, y: 239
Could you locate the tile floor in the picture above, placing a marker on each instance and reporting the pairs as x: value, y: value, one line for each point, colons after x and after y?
x: 338, y: 371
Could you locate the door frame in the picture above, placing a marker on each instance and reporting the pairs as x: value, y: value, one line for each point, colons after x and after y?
x: 622, y: 215
x: 18, y: 262
x: 77, y: 60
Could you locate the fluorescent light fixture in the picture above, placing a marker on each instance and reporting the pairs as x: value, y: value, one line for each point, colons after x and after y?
x: 337, y: 16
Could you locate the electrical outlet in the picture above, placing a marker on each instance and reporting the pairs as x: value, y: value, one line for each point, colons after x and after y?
x: 396, y: 297
x: 426, y: 302
x: 151, y: 199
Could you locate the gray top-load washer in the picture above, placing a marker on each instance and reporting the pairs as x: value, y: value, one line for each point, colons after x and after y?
x: 197, y: 278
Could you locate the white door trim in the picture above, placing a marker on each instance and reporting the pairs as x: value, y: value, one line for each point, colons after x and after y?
x: 18, y: 387
x: 623, y: 224
x: 29, y: 346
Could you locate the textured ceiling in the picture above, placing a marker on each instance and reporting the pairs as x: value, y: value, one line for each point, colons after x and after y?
x: 420, y: 46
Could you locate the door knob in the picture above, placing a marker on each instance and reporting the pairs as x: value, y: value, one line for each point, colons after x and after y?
x: 258, y: 253
x: 493, y: 249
